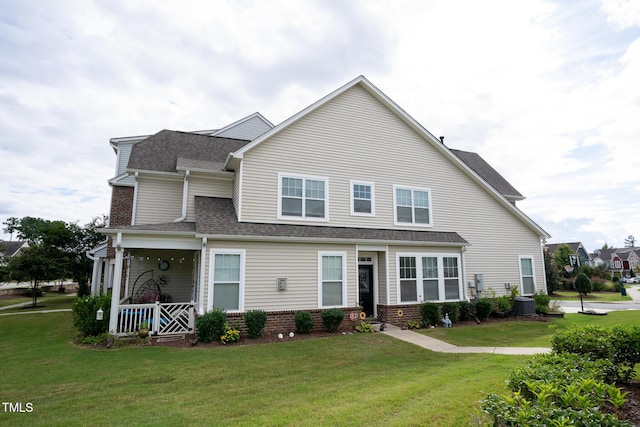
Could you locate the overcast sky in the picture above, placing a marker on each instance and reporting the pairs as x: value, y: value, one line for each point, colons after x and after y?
x: 547, y: 92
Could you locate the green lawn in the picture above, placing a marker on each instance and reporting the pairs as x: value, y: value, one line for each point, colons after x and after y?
x: 49, y: 301
x: 593, y: 297
x: 357, y: 379
x: 524, y: 333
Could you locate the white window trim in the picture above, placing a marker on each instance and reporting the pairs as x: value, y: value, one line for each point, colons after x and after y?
x: 533, y: 271
x: 352, y: 198
x: 419, y: 278
x: 212, y: 257
x: 395, y: 206
x: 303, y: 217
x: 344, y: 278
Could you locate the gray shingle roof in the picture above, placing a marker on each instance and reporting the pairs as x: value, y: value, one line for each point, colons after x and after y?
x: 160, y: 152
x: 9, y: 249
x: 488, y: 173
x: 217, y: 216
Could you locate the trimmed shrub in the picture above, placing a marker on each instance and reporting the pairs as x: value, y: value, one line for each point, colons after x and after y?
x: 84, y: 314
x: 582, y: 284
x: 304, y: 322
x: 483, y: 308
x: 466, y: 310
x: 211, y: 326
x: 501, y: 306
x: 451, y: 308
x: 430, y: 312
x: 558, y: 389
x: 255, y: 321
x: 332, y: 318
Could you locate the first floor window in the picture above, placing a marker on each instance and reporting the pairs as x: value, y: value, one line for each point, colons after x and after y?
x: 429, y: 277
x: 526, y: 276
x: 332, y: 279
x: 226, y: 280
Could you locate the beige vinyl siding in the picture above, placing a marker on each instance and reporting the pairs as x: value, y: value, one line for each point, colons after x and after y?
x: 359, y: 139
x: 297, y: 262
x: 208, y: 187
x: 382, y: 278
x: 237, y: 182
x: 124, y: 152
x: 158, y: 200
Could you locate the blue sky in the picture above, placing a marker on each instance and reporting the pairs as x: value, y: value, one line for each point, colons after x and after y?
x: 547, y: 92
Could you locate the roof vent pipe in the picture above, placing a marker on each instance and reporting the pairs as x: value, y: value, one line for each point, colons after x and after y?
x: 442, y: 139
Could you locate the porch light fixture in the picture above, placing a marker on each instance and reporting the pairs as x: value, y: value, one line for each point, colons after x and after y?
x: 99, y: 314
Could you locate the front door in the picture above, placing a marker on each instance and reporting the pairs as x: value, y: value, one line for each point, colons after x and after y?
x: 365, y: 287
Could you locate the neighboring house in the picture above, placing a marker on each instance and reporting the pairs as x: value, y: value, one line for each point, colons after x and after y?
x: 350, y: 203
x: 620, y: 261
x: 576, y: 247
x: 10, y: 249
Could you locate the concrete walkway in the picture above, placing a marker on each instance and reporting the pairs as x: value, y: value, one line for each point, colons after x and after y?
x: 433, y: 344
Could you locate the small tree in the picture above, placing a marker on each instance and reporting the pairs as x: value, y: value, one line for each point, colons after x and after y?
x: 582, y: 284
x: 36, y: 264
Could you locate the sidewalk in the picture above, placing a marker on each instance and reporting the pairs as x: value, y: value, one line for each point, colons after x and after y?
x: 433, y: 344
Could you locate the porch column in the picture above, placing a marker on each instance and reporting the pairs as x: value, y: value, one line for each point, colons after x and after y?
x: 95, y: 276
x: 115, y: 292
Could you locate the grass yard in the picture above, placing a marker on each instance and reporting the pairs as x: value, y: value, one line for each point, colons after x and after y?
x: 523, y: 333
x: 359, y: 379
x: 49, y: 301
x: 592, y: 297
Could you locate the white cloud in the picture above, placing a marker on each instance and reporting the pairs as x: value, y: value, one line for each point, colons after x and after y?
x: 545, y: 91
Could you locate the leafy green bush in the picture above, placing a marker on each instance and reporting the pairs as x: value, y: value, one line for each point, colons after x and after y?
x: 364, y: 327
x: 582, y: 284
x: 483, y: 308
x: 255, y: 321
x: 84, y: 314
x: 304, y: 322
x: 230, y: 335
x: 558, y: 389
x: 542, y: 302
x: 332, y: 318
x: 211, y: 326
x: 453, y: 309
x: 501, y: 306
x: 430, y: 312
x: 466, y: 310
x: 620, y: 344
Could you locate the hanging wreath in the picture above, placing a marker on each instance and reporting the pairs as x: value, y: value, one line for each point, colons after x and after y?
x: 363, y: 315
x: 400, y: 313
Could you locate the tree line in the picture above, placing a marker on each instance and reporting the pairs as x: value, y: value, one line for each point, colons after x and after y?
x: 57, y: 251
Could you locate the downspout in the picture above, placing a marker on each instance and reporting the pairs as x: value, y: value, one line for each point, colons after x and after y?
x: 135, y: 199
x: 544, y: 267
x: 465, y: 294
x: 203, y: 259
x: 185, y: 193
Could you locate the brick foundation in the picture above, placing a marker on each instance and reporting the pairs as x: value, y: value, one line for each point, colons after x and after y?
x: 284, y: 321
x: 389, y: 313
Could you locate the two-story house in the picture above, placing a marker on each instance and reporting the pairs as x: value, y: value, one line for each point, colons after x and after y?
x: 350, y: 203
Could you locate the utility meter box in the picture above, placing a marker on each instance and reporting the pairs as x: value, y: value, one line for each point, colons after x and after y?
x: 479, y: 282
x: 282, y: 283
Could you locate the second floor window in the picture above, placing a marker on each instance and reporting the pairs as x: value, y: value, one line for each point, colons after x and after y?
x: 303, y: 197
x: 362, y: 198
x: 412, y: 206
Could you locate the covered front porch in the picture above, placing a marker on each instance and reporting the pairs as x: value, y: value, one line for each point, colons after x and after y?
x: 155, y: 285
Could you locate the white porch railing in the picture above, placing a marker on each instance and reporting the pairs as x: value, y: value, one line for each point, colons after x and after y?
x: 161, y: 318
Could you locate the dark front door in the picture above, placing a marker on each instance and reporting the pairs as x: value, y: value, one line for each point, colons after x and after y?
x: 365, y: 287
